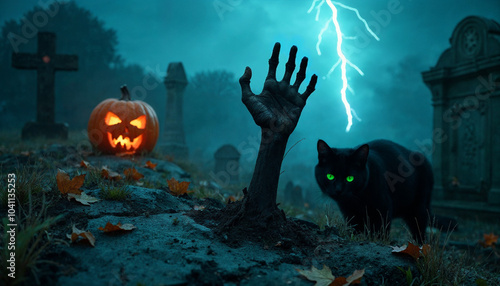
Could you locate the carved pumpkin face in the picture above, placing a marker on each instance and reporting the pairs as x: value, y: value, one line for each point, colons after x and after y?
x: 123, y: 126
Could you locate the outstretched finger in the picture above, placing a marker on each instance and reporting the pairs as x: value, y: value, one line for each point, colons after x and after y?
x: 301, y: 75
x: 310, y: 88
x: 290, y: 65
x: 274, y: 61
x: 245, y: 83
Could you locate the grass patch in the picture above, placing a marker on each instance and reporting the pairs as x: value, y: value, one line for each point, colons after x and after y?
x: 330, y: 218
x: 439, y: 266
x: 202, y: 192
x: 382, y: 236
x: 114, y: 193
x: 93, y: 179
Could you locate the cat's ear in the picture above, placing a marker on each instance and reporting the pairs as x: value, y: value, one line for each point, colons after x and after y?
x: 361, y: 154
x: 323, y: 150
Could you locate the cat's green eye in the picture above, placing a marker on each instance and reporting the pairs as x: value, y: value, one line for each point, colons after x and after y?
x: 350, y: 178
x: 330, y: 177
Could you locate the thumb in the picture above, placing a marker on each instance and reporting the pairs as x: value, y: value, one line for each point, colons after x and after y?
x: 245, y: 82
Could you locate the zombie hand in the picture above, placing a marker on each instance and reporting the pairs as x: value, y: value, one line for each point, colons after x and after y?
x: 279, y: 105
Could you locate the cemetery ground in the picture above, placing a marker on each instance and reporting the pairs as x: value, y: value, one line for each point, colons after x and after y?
x: 176, y: 240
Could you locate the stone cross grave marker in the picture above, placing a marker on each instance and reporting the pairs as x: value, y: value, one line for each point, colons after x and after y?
x: 465, y: 87
x: 46, y: 62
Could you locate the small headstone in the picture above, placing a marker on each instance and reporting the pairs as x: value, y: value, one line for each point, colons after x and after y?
x: 46, y: 62
x: 173, y: 140
x: 227, y: 163
x: 293, y: 195
x: 465, y: 87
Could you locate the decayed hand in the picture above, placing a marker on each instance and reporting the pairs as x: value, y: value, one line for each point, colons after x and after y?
x: 279, y: 105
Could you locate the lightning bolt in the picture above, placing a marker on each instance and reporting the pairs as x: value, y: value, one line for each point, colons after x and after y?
x: 342, y: 61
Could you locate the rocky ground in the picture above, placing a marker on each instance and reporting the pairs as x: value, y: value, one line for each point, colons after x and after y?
x: 175, y: 241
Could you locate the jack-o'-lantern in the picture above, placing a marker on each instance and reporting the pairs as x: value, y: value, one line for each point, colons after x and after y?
x: 123, y: 126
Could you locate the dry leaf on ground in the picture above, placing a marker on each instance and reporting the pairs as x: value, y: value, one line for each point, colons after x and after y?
x: 199, y: 208
x: 231, y: 199
x: 150, y: 165
x: 425, y: 249
x: 67, y: 185
x: 85, y: 164
x: 133, y: 174
x: 354, y: 278
x: 489, y: 240
x: 111, y: 227
x: 178, y: 188
x: 110, y: 174
x: 83, y: 198
x: 324, y: 277
x: 412, y: 250
x: 85, y: 235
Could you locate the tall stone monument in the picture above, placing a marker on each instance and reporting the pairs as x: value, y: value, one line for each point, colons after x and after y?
x: 46, y: 62
x: 465, y: 87
x: 174, y: 141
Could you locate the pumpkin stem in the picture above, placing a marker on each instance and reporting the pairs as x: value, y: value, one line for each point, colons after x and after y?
x: 125, y: 93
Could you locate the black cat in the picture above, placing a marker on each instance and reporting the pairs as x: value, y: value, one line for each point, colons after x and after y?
x: 376, y: 182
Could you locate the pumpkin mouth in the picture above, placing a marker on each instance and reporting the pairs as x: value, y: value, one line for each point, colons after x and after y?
x: 125, y: 142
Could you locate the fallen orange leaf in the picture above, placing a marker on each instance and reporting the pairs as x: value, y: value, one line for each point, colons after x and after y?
x: 133, y: 174
x: 111, y: 227
x: 490, y: 240
x: 86, y: 235
x: 232, y: 199
x: 355, y: 278
x: 151, y: 165
x: 339, y: 281
x: 66, y: 186
x: 324, y: 277
x: 110, y: 174
x: 412, y: 250
x: 85, y: 164
x: 178, y: 188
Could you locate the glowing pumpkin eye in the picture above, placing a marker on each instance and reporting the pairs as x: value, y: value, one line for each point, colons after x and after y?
x: 350, y: 178
x: 112, y: 119
x: 330, y: 177
x: 139, y: 122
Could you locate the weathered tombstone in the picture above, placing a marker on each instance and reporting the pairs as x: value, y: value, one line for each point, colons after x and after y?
x: 465, y: 87
x: 293, y: 194
x: 174, y: 142
x: 227, y: 163
x: 46, y: 62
